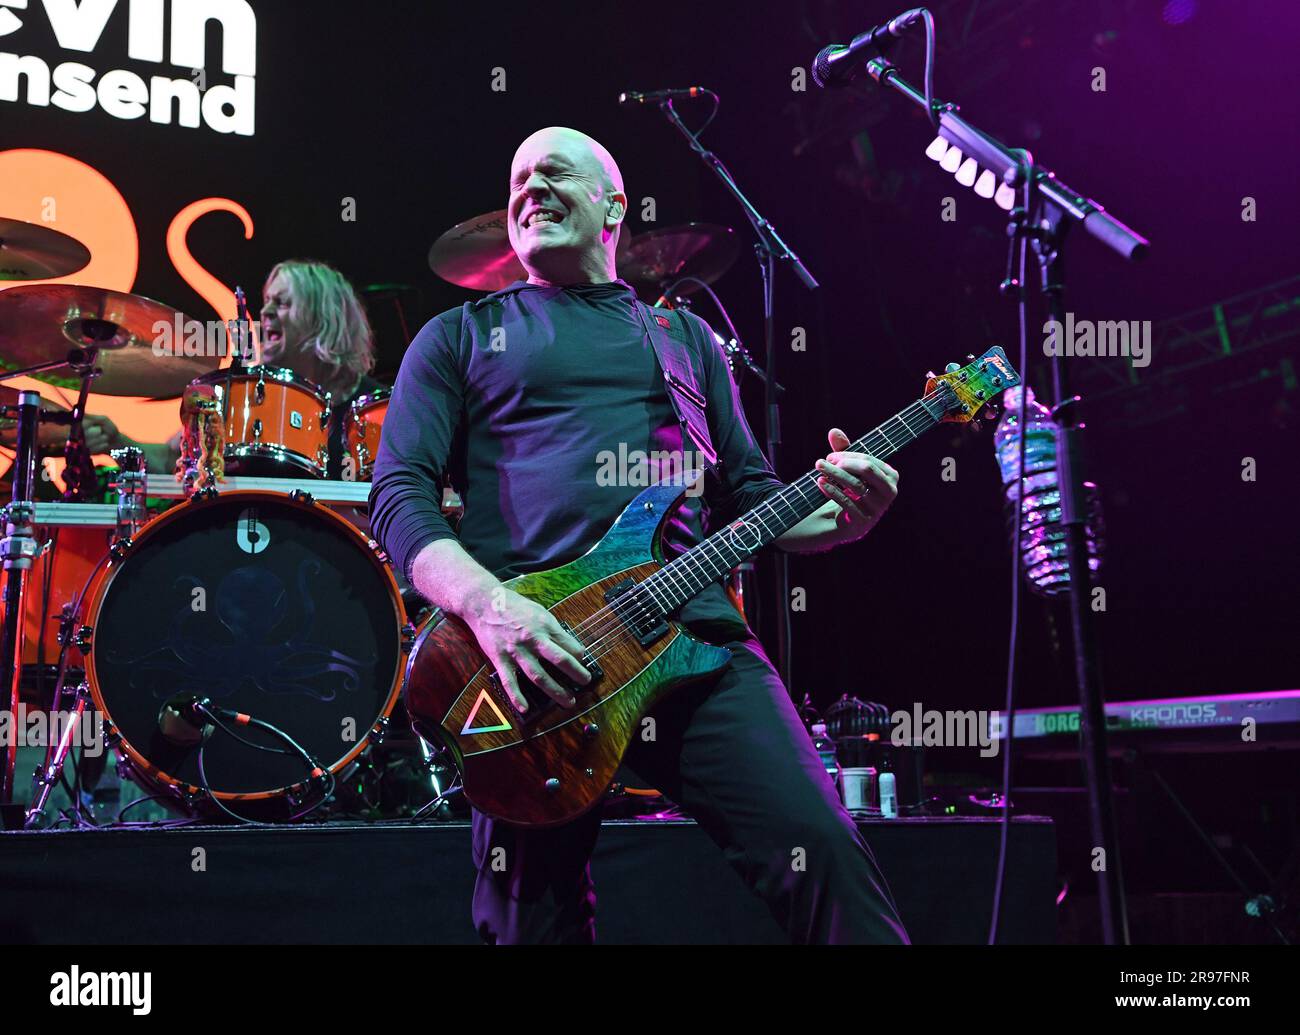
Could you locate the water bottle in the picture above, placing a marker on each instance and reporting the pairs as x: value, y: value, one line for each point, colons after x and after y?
x: 825, y: 748
x: 1041, y: 535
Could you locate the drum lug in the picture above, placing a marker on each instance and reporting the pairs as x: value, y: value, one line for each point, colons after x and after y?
x: 329, y: 405
x: 322, y: 457
x: 408, y: 637
x: 302, y: 496
x: 120, y: 548
x: 83, y: 638
x: 377, y: 550
x: 206, y: 494
x: 377, y: 733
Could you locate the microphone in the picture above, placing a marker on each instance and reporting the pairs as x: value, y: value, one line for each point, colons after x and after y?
x: 181, y: 718
x: 181, y: 722
x: 838, y: 65
x: 655, y: 96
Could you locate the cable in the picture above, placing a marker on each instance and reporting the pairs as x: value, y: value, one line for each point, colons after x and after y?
x: 314, y: 768
x: 929, y: 66
x: 1017, y: 558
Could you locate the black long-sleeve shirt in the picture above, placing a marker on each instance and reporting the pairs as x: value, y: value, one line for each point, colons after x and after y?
x: 529, y: 399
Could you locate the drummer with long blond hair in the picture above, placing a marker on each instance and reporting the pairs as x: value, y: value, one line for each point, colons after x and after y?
x: 312, y: 323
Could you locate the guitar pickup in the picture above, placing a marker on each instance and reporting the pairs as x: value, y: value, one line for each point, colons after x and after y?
x: 649, y: 628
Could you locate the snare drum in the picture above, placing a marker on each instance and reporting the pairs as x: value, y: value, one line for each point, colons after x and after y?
x: 277, y: 423
x: 265, y: 604
x: 361, y: 427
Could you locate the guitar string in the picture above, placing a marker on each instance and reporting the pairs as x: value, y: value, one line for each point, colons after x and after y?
x: 678, y: 580
x: 913, y: 419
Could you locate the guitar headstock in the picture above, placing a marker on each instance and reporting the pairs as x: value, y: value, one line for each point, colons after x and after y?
x: 960, y: 393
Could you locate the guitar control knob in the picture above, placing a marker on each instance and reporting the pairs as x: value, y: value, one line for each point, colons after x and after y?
x: 590, y: 729
x: 552, y: 785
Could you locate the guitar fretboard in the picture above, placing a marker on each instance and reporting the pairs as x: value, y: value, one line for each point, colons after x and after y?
x: 683, y: 578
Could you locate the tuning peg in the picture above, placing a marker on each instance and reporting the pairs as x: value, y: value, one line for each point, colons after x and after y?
x: 952, y: 368
x: 970, y: 356
x: 931, y: 374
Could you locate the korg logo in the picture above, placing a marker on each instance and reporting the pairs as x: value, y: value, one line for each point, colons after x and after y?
x: 159, y: 33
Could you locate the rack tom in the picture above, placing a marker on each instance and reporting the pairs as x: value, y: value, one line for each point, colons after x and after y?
x: 361, y: 428
x: 276, y: 422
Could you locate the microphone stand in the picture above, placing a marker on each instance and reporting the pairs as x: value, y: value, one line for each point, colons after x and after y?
x: 1052, y: 209
x: 769, y: 249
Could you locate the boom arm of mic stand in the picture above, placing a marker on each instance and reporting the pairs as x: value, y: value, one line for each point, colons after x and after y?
x: 991, y: 154
x: 771, y: 240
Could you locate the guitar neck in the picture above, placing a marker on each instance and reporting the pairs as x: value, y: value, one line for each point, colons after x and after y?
x: 711, y: 560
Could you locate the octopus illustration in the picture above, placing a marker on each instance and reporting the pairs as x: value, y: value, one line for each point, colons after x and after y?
x: 251, y: 603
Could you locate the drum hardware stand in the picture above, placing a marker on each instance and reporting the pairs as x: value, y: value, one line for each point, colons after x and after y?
x: 18, y: 550
x: 243, y: 332
x: 1049, y: 209
x: 436, y: 762
x: 47, y: 775
x: 768, y: 249
x: 132, y: 487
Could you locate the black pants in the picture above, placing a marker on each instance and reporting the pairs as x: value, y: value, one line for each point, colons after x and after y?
x: 733, y: 753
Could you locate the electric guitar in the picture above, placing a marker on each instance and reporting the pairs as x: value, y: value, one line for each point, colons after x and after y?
x: 551, y: 764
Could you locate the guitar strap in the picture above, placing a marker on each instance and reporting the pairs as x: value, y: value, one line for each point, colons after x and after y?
x: 682, y: 378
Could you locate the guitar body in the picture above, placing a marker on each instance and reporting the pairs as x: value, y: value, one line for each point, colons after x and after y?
x: 553, y: 764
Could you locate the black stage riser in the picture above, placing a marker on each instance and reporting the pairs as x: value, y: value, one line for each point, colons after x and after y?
x: 657, y: 883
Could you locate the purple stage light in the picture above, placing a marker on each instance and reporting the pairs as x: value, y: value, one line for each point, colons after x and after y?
x: 1178, y: 12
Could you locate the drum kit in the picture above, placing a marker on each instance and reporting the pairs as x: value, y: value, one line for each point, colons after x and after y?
x: 242, y: 643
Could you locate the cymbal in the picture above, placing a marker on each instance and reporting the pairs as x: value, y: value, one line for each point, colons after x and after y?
x: 658, y: 258
x: 476, y: 253
x: 29, y: 251
x: 40, y: 323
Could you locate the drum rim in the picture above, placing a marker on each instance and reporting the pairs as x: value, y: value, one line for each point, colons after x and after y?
x: 273, y: 451
x: 284, y: 375
x: 362, y: 402
x: 104, y: 580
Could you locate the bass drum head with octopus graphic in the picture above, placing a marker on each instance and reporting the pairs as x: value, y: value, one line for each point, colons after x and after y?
x: 268, y: 606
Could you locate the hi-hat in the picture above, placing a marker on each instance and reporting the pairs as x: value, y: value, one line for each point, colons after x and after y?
x: 42, y: 323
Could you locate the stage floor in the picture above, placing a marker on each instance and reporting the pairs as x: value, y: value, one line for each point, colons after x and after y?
x: 657, y: 882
